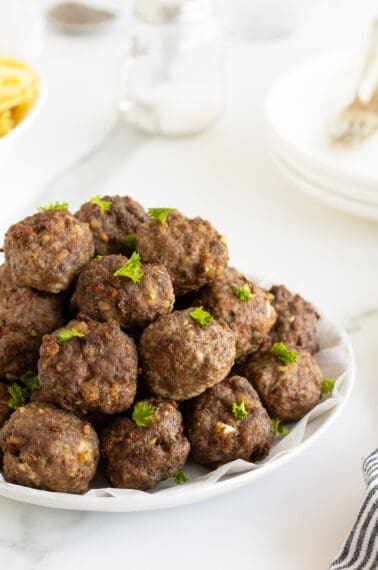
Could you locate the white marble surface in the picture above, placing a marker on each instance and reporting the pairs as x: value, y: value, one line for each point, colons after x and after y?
x: 298, y: 517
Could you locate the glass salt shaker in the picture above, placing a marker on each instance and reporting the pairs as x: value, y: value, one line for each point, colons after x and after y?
x: 173, y: 74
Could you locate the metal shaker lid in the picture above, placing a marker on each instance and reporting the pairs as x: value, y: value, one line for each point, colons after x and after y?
x: 173, y: 11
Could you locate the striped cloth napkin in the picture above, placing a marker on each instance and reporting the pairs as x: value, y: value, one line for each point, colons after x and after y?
x: 360, y: 550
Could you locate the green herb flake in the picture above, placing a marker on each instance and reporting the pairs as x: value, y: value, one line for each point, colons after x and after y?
x: 142, y: 414
x: 131, y: 269
x: 180, y: 477
x: 280, y: 350
x: 279, y: 429
x: 18, y: 396
x: 239, y: 411
x: 130, y: 241
x: 244, y: 293
x: 105, y: 205
x: 160, y: 214
x: 328, y: 385
x: 53, y: 207
x: 99, y: 256
x: 31, y: 380
x: 202, y: 317
x: 66, y: 334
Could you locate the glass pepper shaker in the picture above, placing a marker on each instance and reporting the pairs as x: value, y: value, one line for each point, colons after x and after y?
x: 173, y: 73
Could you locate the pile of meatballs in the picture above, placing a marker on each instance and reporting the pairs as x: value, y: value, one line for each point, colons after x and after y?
x: 128, y: 377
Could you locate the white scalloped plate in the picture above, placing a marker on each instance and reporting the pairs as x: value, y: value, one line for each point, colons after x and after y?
x: 336, y: 360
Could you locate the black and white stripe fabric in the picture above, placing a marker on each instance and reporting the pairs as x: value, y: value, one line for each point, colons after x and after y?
x: 360, y: 550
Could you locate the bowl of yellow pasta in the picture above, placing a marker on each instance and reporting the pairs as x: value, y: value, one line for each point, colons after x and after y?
x: 19, y: 96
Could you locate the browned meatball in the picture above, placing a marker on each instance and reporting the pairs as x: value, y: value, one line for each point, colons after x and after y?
x: 288, y: 391
x: 103, y: 296
x: 250, y: 319
x: 140, y: 457
x: 217, y: 434
x: 25, y: 316
x: 296, y: 320
x: 96, y: 372
x: 109, y: 228
x: 181, y: 359
x: 5, y: 277
x: 46, y: 251
x: 36, y: 312
x: 18, y: 351
x: 5, y: 410
x: 193, y: 252
x: 48, y: 448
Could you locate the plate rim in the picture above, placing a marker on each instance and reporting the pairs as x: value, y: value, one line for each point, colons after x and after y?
x: 314, y: 157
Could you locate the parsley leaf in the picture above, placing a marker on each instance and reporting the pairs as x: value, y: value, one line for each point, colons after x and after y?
x: 18, y: 396
x: 53, y: 206
x: 142, y: 414
x: 30, y: 380
x: 279, y: 430
x: 180, y: 477
x: 327, y: 385
x: 280, y: 350
x: 244, y: 293
x: 202, y: 317
x: 130, y: 240
x: 160, y: 214
x: 131, y: 269
x: 239, y: 411
x: 66, y: 334
x: 105, y: 205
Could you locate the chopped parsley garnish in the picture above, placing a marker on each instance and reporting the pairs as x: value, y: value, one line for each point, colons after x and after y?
x: 142, y: 414
x: 202, y: 317
x: 53, y: 206
x: 160, y: 214
x: 328, y: 385
x: 239, y: 411
x: 31, y: 380
x: 105, y: 205
x: 280, y: 350
x: 67, y: 334
x: 99, y: 256
x: 131, y: 269
x: 130, y: 241
x: 18, y: 396
x: 244, y: 293
x: 279, y: 429
x: 180, y: 477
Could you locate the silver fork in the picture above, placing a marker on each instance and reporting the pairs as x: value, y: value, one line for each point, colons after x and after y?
x: 359, y: 119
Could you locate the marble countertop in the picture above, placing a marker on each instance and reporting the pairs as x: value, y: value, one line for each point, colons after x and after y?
x: 297, y: 517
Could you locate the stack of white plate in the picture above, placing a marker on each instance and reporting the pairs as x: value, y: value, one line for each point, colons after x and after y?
x: 300, y: 109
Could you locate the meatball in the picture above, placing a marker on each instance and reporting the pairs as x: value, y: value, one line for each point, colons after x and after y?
x: 5, y: 277
x: 5, y: 410
x: 18, y: 351
x: 250, y: 318
x: 93, y: 373
x: 47, y: 251
x: 217, y: 434
x: 296, y: 320
x: 193, y: 252
x: 181, y: 358
x: 25, y: 316
x: 103, y: 296
x: 288, y: 391
x: 109, y: 228
x: 36, y: 312
x: 48, y: 448
x: 140, y: 457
